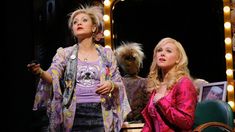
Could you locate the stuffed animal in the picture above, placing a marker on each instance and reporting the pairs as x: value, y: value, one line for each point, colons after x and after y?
x: 130, y: 59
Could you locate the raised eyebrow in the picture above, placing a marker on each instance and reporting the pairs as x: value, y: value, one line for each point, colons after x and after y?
x: 84, y: 17
x: 169, y: 48
x: 81, y: 18
x: 75, y: 20
x: 160, y: 48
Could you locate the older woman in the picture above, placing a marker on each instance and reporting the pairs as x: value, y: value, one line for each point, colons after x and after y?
x: 91, y: 95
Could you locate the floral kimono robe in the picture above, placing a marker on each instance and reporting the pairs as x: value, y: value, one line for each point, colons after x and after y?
x: 61, y: 105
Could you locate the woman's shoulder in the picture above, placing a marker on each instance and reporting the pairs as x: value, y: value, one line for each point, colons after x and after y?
x: 70, y: 48
x: 185, y: 79
x: 104, y: 48
x: 65, y: 51
x: 187, y: 83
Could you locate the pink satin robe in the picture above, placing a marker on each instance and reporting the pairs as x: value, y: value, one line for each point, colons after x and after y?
x: 174, y: 112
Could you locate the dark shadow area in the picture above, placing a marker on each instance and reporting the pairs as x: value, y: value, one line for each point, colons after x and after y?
x: 34, y: 30
x: 197, y: 25
x: 17, y: 51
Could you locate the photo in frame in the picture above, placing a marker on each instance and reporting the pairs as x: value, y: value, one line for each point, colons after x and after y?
x: 213, y: 91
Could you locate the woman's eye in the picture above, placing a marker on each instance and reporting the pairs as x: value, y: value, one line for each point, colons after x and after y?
x: 74, y: 22
x: 169, y: 51
x: 159, y: 50
x: 84, y: 20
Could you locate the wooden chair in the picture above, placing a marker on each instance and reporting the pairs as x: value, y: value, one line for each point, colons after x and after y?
x: 221, y: 126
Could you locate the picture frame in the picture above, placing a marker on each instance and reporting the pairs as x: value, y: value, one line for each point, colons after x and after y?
x: 213, y: 91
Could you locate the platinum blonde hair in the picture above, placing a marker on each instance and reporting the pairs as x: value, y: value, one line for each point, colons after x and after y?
x: 180, y: 69
x: 95, y: 12
x: 135, y: 49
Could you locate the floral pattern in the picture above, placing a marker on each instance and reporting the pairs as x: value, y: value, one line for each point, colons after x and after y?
x: 50, y: 96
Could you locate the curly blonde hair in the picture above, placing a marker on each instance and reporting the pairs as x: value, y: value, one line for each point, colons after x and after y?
x: 179, y: 70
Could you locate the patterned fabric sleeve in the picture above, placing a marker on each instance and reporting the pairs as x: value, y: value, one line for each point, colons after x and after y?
x: 122, y: 104
x: 48, y: 95
x: 44, y: 89
x: 182, y: 114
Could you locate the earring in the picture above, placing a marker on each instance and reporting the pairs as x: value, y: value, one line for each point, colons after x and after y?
x: 75, y: 39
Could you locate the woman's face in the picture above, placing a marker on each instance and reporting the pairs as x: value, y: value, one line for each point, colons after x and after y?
x: 166, y: 56
x: 82, y: 25
x: 213, y: 95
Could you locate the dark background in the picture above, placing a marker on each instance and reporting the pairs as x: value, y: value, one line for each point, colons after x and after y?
x: 197, y: 25
x: 36, y: 28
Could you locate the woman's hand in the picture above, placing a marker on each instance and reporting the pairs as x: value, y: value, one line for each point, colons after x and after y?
x: 104, y: 87
x: 158, y: 96
x: 161, y: 92
x: 35, y: 68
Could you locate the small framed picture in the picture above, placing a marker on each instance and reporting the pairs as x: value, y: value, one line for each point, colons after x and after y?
x: 213, y: 91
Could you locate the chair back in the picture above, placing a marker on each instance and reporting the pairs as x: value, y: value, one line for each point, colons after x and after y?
x: 213, y: 111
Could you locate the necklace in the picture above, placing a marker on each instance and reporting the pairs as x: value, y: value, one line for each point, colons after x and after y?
x: 85, y: 54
